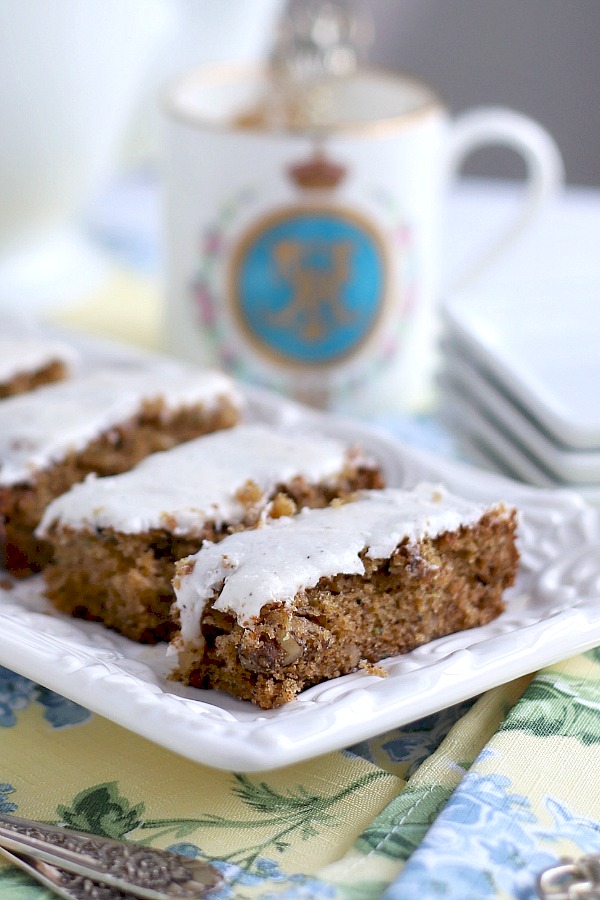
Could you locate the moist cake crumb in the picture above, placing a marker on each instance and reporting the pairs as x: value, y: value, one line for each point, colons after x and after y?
x: 372, y: 669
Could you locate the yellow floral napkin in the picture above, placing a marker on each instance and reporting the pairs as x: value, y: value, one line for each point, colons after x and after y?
x: 470, y: 803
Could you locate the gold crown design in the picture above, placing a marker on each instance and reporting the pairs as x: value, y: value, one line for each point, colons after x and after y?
x: 317, y: 173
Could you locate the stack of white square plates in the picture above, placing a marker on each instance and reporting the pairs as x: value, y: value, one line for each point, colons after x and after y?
x: 519, y: 385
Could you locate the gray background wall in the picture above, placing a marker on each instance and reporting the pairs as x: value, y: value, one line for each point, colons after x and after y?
x: 541, y: 57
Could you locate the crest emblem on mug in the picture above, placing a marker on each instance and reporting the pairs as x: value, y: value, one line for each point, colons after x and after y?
x: 308, y: 282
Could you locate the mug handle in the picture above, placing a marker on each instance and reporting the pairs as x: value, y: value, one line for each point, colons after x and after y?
x: 489, y: 126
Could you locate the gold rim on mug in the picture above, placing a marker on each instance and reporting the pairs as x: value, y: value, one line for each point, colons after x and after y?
x: 224, y: 74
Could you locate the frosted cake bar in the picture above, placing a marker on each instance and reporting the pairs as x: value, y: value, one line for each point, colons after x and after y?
x: 105, y: 423
x: 27, y: 363
x: 116, y: 540
x: 266, y: 613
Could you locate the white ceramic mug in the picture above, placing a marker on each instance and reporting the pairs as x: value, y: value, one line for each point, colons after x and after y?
x: 312, y: 265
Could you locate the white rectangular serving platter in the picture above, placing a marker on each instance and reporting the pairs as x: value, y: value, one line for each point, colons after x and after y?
x: 564, y: 464
x: 542, y: 352
x: 552, y: 612
x: 484, y: 440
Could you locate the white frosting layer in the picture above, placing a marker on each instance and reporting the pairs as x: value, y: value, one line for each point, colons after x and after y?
x: 42, y: 426
x: 20, y: 355
x: 183, y: 488
x: 273, y: 563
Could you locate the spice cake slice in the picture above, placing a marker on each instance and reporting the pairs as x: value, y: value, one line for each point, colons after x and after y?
x: 105, y: 422
x: 268, y: 612
x: 27, y: 363
x: 116, y: 540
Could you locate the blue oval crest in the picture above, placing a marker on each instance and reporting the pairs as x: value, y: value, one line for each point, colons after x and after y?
x: 309, y: 284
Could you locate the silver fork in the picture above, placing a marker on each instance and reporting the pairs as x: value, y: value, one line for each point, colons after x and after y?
x: 79, y: 866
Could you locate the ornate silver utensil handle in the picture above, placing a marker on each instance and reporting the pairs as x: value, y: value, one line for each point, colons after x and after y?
x: 571, y: 879
x: 66, y: 859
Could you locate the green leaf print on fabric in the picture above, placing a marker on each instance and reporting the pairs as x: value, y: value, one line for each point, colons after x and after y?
x: 593, y: 654
x: 360, y: 890
x: 16, y: 885
x: 102, y: 810
x: 400, y: 828
x: 293, y: 812
x: 558, y: 704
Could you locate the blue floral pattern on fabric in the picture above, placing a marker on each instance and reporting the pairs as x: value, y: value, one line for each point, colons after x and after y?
x: 17, y: 693
x: 497, y: 838
x: 265, y: 873
x: 415, y: 742
x: 6, y: 806
x: 419, y: 740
